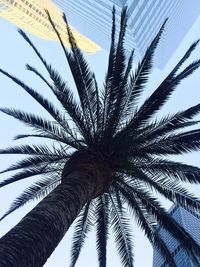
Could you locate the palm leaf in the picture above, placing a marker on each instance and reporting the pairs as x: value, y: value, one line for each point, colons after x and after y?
x: 161, y: 95
x: 61, y: 91
x: 35, y: 192
x: 142, y: 219
x: 28, y: 173
x: 174, y: 170
x: 47, y: 128
x: 83, y: 77
x: 102, y: 229
x: 171, y: 190
x: 185, y: 57
x: 36, y: 161
x: 174, y: 144
x: 122, y: 233
x: 154, y: 208
x: 140, y: 77
x: 46, y: 104
x: 111, y: 66
x: 82, y: 227
x: 116, y: 88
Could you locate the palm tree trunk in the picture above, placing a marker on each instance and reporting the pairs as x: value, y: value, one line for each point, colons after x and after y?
x: 34, y: 238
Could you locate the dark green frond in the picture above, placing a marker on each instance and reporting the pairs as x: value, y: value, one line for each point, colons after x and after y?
x: 185, y: 57
x: 174, y: 170
x: 38, y: 150
x: 82, y: 227
x: 102, y: 226
x: 147, y: 226
x: 47, y: 128
x: 34, y: 70
x: 160, y: 96
x: 37, y: 161
x: 35, y: 192
x: 62, y: 92
x: 139, y: 79
x: 176, y: 193
x: 45, y: 103
x: 171, y: 190
x: 121, y: 100
x: 122, y: 233
x: 83, y: 77
x: 165, y: 126
x: 111, y: 63
x: 29, y: 173
x: 174, y: 144
x: 187, y: 71
x: 114, y: 86
x: 155, y: 209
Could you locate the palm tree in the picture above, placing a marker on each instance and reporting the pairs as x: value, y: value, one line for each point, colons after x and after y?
x: 109, y: 158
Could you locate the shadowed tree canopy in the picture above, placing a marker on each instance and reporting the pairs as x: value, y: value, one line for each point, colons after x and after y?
x: 111, y: 155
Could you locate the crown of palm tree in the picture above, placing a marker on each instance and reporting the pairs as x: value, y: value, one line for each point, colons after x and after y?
x: 129, y: 144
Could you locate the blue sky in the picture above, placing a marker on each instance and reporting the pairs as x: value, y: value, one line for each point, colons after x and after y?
x: 14, y: 54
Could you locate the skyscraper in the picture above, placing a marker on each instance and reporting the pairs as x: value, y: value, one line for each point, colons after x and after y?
x: 30, y: 15
x: 93, y: 19
x: 190, y: 221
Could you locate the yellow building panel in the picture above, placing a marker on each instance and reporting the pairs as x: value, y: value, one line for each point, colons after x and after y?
x: 30, y: 15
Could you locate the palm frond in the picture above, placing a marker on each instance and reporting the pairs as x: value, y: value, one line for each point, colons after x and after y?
x: 45, y: 103
x: 141, y: 217
x: 115, y: 90
x: 174, y: 144
x: 163, y: 127
x: 176, y: 171
x: 185, y: 57
x: 122, y: 232
x: 38, y: 150
x: 176, y: 193
x: 102, y: 225
x: 82, y: 228
x: 47, y: 128
x: 163, y: 218
x: 111, y: 66
x: 62, y: 92
x: 83, y: 77
x: 140, y: 77
x: 35, y: 192
x: 37, y: 161
x: 37, y: 73
x: 30, y: 172
x: 187, y: 71
x: 171, y: 190
x: 160, y: 96
x: 120, y: 102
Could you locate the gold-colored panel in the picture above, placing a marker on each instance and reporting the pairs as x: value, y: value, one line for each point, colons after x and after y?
x: 30, y: 15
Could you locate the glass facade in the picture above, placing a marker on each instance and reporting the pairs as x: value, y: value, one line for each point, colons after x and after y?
x: 93, y: 19
x: 31, y: 16
x: 191, y: 222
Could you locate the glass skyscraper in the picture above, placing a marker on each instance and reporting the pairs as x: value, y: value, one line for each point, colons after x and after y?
x: 190, y: 221
x: 30, y: 15
x: 93, y: 19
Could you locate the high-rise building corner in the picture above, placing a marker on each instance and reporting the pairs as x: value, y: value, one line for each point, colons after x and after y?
x: 30, y: 15
x: 190, y: 221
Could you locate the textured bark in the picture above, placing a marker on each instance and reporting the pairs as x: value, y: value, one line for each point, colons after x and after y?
x: 34, y: 238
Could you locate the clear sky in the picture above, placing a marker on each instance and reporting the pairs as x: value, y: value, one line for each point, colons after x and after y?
x: 14, y: 54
